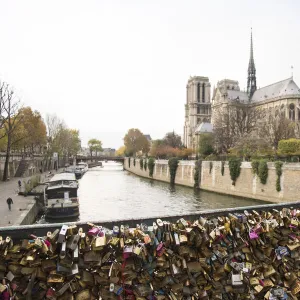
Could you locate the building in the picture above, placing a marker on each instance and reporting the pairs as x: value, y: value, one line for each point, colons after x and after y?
x: 280, y: 98
x: 108, y: 152
x: 197, y: 108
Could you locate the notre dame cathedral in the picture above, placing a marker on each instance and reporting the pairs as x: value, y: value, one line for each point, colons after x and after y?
x: 282, y: 97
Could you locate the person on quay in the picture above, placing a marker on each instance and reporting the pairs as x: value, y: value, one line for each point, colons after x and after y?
x: 9, y: 202
x: 20, y: 185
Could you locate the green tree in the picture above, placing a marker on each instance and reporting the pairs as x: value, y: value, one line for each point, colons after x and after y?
x: 95, y: 146
x: 206, y: 144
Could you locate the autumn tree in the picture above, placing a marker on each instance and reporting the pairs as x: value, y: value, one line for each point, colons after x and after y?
x: 121, y: 151
x: 276, y: 128
x: 95, y: 146
x: 135, y: 141
x: 32, y: 131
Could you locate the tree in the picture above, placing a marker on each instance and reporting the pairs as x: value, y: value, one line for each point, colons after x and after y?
x: 173, y: 140
x: 54, y: 126
x: 250, y: 146
x: 234, y: 123
x: 121, y: 151
x: 276, y: 128
x: 68, y: 142
x: 32, y: 131
x: 135, y: 141
x: 206, y: 144
x: 95, y: 146
x: 11, y: 119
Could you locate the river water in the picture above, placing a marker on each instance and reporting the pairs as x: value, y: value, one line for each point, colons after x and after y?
x: 110, y: 193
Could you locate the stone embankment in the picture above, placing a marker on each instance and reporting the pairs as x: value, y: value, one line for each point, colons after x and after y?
x: 24, y: 210
x: 213, y: 179
x: 218, y: 255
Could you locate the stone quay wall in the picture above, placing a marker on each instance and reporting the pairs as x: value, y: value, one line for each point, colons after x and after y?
x: 247, y: 185
x: 184, y: 174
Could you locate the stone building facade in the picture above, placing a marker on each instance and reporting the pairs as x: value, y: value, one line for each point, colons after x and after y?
x: 197, y: 108
x: 280, y: 98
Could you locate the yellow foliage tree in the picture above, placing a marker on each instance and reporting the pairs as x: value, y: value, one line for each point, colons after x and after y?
x: 121, y: 151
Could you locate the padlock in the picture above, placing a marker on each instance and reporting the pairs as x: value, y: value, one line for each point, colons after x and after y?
x: 72, y: 242
x: 62, y: 234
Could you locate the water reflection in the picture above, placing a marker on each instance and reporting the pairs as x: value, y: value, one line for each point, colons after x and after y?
x: 110, y: 193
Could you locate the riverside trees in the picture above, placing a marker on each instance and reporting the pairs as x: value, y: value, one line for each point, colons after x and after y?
x: 95, y: 146
x: 135, y: 141
x: 24, y: 130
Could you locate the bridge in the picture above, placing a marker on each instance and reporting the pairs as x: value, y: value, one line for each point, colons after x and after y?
x: 80, y: 158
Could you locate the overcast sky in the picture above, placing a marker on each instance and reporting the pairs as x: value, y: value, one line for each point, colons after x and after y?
x: 107, y: 66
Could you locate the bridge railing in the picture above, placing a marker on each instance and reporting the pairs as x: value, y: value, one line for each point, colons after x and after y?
x: 21, y: 232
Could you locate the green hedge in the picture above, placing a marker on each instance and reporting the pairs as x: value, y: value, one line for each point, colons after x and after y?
x: 197, y: 174
x: 222, y: 167
x: 290, y: 146
x: 278, y: 167
x: 145, y: 165
x: 173, y: 164
x: 151, y: 164
x: 141, y: 164
x: 255, y: 165
x: 234, y: 168
x: 263, y: 171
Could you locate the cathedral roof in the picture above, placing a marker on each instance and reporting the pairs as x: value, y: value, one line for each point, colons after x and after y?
x: 237, y: 95
x: 204, y: 127
x: 279, y: 89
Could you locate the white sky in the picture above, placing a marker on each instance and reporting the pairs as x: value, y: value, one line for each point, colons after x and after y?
x: 107, y: 66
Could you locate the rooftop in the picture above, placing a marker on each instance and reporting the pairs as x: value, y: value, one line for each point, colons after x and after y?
x: 282, y: 88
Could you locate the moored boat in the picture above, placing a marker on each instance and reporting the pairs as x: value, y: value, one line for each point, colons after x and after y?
x: 83, y: 166
x: 61, y: 199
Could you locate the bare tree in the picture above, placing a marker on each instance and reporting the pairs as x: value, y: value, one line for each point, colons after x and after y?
x: 276, y: 128
x: 11, y: 119
x: 3, y: 100
x: 235, y: 122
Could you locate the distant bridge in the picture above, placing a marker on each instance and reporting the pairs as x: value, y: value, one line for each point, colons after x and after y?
x: 80, y: 158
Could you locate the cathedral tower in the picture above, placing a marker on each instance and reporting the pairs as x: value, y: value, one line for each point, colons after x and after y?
x: 197, y: 107
x: 251, y: 83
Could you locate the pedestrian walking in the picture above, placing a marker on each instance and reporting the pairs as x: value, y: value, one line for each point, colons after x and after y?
x: 20, y: 185
x: 9, y: 203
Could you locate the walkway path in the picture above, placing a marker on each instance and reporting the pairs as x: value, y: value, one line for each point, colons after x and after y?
x: 20, y: 203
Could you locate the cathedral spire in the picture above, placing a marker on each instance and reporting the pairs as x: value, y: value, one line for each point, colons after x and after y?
x: 251, y: 83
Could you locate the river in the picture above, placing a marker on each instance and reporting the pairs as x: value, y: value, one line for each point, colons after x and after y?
x: 110, y: 193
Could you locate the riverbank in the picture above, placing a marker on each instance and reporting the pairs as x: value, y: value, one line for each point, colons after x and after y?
x: 24, y: 210
x: 215, y: 177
